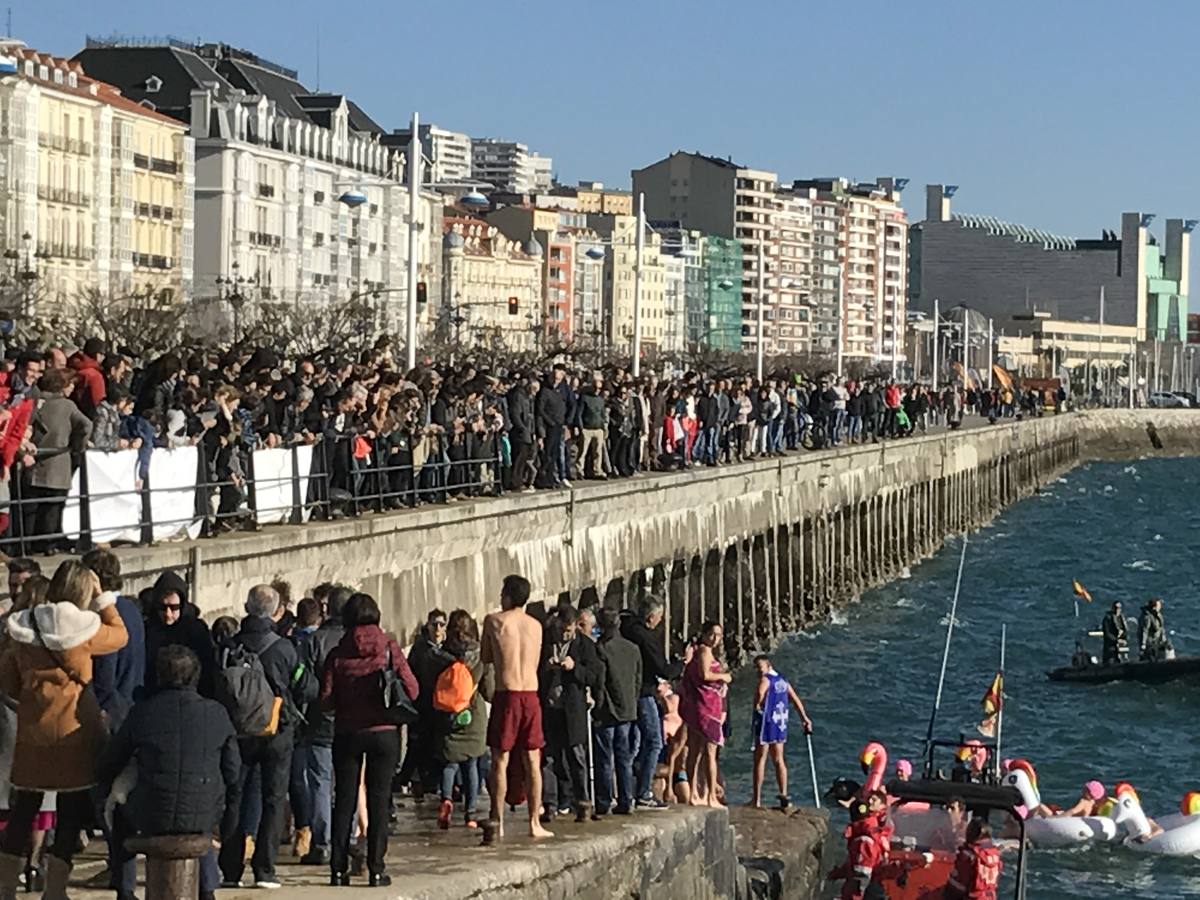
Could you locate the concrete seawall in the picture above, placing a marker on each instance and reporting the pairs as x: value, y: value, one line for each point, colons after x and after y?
x: 765, y: 547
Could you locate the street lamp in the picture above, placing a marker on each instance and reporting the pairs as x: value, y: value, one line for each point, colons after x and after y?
x: 230, y: 288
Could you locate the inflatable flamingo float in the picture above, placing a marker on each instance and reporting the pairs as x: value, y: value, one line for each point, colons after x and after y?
x: 926, y: 826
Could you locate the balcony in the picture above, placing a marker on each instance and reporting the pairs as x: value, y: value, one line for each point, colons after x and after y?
x: 151, y: 261
x: 262, y: 239
x: 141, y: 161
x: 266, y: 190
x: 164, y: 166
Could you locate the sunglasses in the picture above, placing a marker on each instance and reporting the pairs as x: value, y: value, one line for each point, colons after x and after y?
x: 174, y: 607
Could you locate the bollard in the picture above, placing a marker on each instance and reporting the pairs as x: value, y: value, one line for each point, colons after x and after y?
x: 172, y: 864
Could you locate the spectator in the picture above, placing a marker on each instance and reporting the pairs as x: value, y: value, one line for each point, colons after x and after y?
x: 171, y: 619
x: 60, y: 430
x: 20, y: 570
x: 646, y: 633
x: 461, y: 740
x: 116, y: 677
x: 426, y: 661
x: 312, y: 761
x: 272, y: 753
x: 363, y: 734
x: 616, y: 711
x: 90, y: 389
x: 570, y: 667
x: 182, y: 747
x: 702, y: 705
x: 45, y: 671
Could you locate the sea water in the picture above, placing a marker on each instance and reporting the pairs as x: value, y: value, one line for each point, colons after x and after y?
x: 1128, y: 532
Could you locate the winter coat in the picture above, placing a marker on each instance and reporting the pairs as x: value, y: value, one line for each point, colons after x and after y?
x: 350, y: 679
x: 189, y: 630
x: 458, y: 743
x: 44, y: 670
x: 117, y: 676
x: 592, y: 412
x: 522, y: 428
x: 188, y: 764
x: 89, y: 383
x: 106, y: 427
x: 654, y: 658
x: 319, y: 731
x: 564, y: 694
x: 622, y: 679
x: 707, y: 410
x: 278, y: 658
x: 551, y: 408
x: 59, y: 429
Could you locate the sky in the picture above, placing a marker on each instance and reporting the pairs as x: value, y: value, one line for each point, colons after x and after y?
x: 1057, y: 114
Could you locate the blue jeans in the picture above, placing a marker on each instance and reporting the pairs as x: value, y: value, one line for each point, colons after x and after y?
x: 649, y: 726
x: 706, y: 444
x: 312, y: 790
x: 776, y: 435
x: 469, y: 773
x: 611, y: 742
x: 854, y: 427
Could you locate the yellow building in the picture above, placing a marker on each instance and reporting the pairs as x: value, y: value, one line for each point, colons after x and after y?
x: 95, y: 190
x: 620, y: 233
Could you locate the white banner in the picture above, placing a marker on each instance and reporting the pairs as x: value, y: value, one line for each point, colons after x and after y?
x: 273, y: 474
x: 114, y: 502
x: 173, y: 492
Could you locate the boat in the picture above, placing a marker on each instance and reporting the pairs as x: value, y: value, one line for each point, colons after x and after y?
x: 1158, y: 672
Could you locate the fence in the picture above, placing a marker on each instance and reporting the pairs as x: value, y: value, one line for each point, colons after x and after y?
x: 182, y: 497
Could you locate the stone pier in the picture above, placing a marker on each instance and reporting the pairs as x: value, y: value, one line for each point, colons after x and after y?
x: 764, y: 548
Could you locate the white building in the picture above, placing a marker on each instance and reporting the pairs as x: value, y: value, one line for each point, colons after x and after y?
x: 295, y: 191
x: 447, y: 153
x: 509, y: 166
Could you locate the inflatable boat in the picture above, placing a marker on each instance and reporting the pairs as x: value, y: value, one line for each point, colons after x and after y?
x: 1145, y: 672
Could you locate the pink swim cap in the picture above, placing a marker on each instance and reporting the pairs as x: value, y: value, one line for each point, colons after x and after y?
x: 903, y: 767
x: 1094, y: 789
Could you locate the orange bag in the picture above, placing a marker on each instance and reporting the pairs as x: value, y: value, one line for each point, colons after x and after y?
x: 454, y: 688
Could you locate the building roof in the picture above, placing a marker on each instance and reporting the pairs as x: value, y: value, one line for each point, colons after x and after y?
x: 1020, y: 233
x: 180, y: 72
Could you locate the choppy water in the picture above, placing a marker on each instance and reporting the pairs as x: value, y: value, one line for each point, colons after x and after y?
x: 1128, y: 532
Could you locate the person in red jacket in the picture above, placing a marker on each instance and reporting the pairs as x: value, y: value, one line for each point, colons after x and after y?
x: 362, y: 731
x: 977, y: 867
x: 89, y: 380
x: 868, y: 845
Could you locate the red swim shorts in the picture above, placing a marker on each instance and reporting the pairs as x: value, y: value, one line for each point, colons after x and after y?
x: 515, y: 722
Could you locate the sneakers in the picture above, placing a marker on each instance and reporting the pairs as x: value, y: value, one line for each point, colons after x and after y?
x: 652, y: 803
x: 228, y: 884
x: 268, y: 883
x: 317, y: 856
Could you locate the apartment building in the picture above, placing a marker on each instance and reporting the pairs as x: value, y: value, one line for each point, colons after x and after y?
x: 295, y: 191
x: 509, y: 166
x: 448, y: 153
x: 619, y: 235
x: 529, y: 223
x: 491, y: 286
x: 592, y: 197
x: 719, y: 197
x: 95, y: 190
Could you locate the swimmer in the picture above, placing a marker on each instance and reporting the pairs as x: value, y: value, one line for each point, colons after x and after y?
x: 904, y: 770
x: 1089, y: 798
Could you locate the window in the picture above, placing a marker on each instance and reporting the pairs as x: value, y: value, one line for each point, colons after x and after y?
x: 153, y: 84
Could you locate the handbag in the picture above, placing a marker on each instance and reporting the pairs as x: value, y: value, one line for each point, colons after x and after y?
x: 398, y: 709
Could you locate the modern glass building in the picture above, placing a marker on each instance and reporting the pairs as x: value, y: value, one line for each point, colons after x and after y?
x: 721, y: 325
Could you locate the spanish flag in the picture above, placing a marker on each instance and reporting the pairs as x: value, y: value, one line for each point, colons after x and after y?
x: 992, y: 702
x: 1080, y: 591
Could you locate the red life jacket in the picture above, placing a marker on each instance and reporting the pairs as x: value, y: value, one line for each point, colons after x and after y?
x: 976, y: 873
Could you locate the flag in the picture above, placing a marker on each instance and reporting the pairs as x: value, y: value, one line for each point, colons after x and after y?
x: 992, y: 702
x: 1081, y: 592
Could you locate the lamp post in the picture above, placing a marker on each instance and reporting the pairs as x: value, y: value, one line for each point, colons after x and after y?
x: 231, y: 290
x: 937, y: 319
x: 841, y: 317
x: 636, y: 364
x: 762, y: 302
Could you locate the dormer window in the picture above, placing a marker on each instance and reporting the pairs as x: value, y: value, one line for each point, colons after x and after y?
x: 58, y: 76
x: 153, y: 84
x: 29, y: 67
x: 72, y: 80
x: 43, y: 73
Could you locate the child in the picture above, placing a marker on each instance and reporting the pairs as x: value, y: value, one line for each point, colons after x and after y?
x: 770, y: 727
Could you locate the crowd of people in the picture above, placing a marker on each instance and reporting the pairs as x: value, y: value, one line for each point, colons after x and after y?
x: 383, y: 437
x: 300, y: 723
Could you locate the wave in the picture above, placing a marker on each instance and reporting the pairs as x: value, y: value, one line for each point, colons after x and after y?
x: 1130, y: 470
x: 907, y: 603
x: 1141, y: 565
x: 958, y: 623
x: 837, y: 617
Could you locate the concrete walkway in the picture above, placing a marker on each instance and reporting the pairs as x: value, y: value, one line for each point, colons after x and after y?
x: 428, y: 864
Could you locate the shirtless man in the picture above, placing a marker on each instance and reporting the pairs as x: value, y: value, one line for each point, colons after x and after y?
x: 512, y: 642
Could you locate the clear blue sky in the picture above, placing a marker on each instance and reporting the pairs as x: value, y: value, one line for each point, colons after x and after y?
x: 1056, y: 114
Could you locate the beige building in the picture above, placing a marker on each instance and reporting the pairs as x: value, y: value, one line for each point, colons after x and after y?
x: 491, y: 287
x: 95, y: 190
x: 593, y: 197
x: 619, y: 234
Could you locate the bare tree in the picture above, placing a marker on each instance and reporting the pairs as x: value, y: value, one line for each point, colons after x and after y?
x: 142, y: 320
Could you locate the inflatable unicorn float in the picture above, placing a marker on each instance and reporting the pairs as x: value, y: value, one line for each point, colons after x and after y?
x: 1117, y: 819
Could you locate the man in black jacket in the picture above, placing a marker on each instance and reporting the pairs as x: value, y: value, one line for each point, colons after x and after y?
x: 551, y: 419
x: 273, y: 753
x: 312, y: 760
x: 569, y: 667
x: 171, y: 619
x: 647, y: 635
x: 615, y: 714
x: 522, y: 433
x: 187, y: 763
x: 709, y: 415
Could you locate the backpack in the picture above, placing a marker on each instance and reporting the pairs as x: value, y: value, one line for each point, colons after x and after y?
x: 454, y: 688
x: 241, y: 686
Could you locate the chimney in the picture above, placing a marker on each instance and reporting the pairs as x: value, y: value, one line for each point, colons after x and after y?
x: 201, y: 112
x: 937, y: 203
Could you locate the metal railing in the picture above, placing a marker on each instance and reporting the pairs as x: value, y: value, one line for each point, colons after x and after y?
x: 339, y: 480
